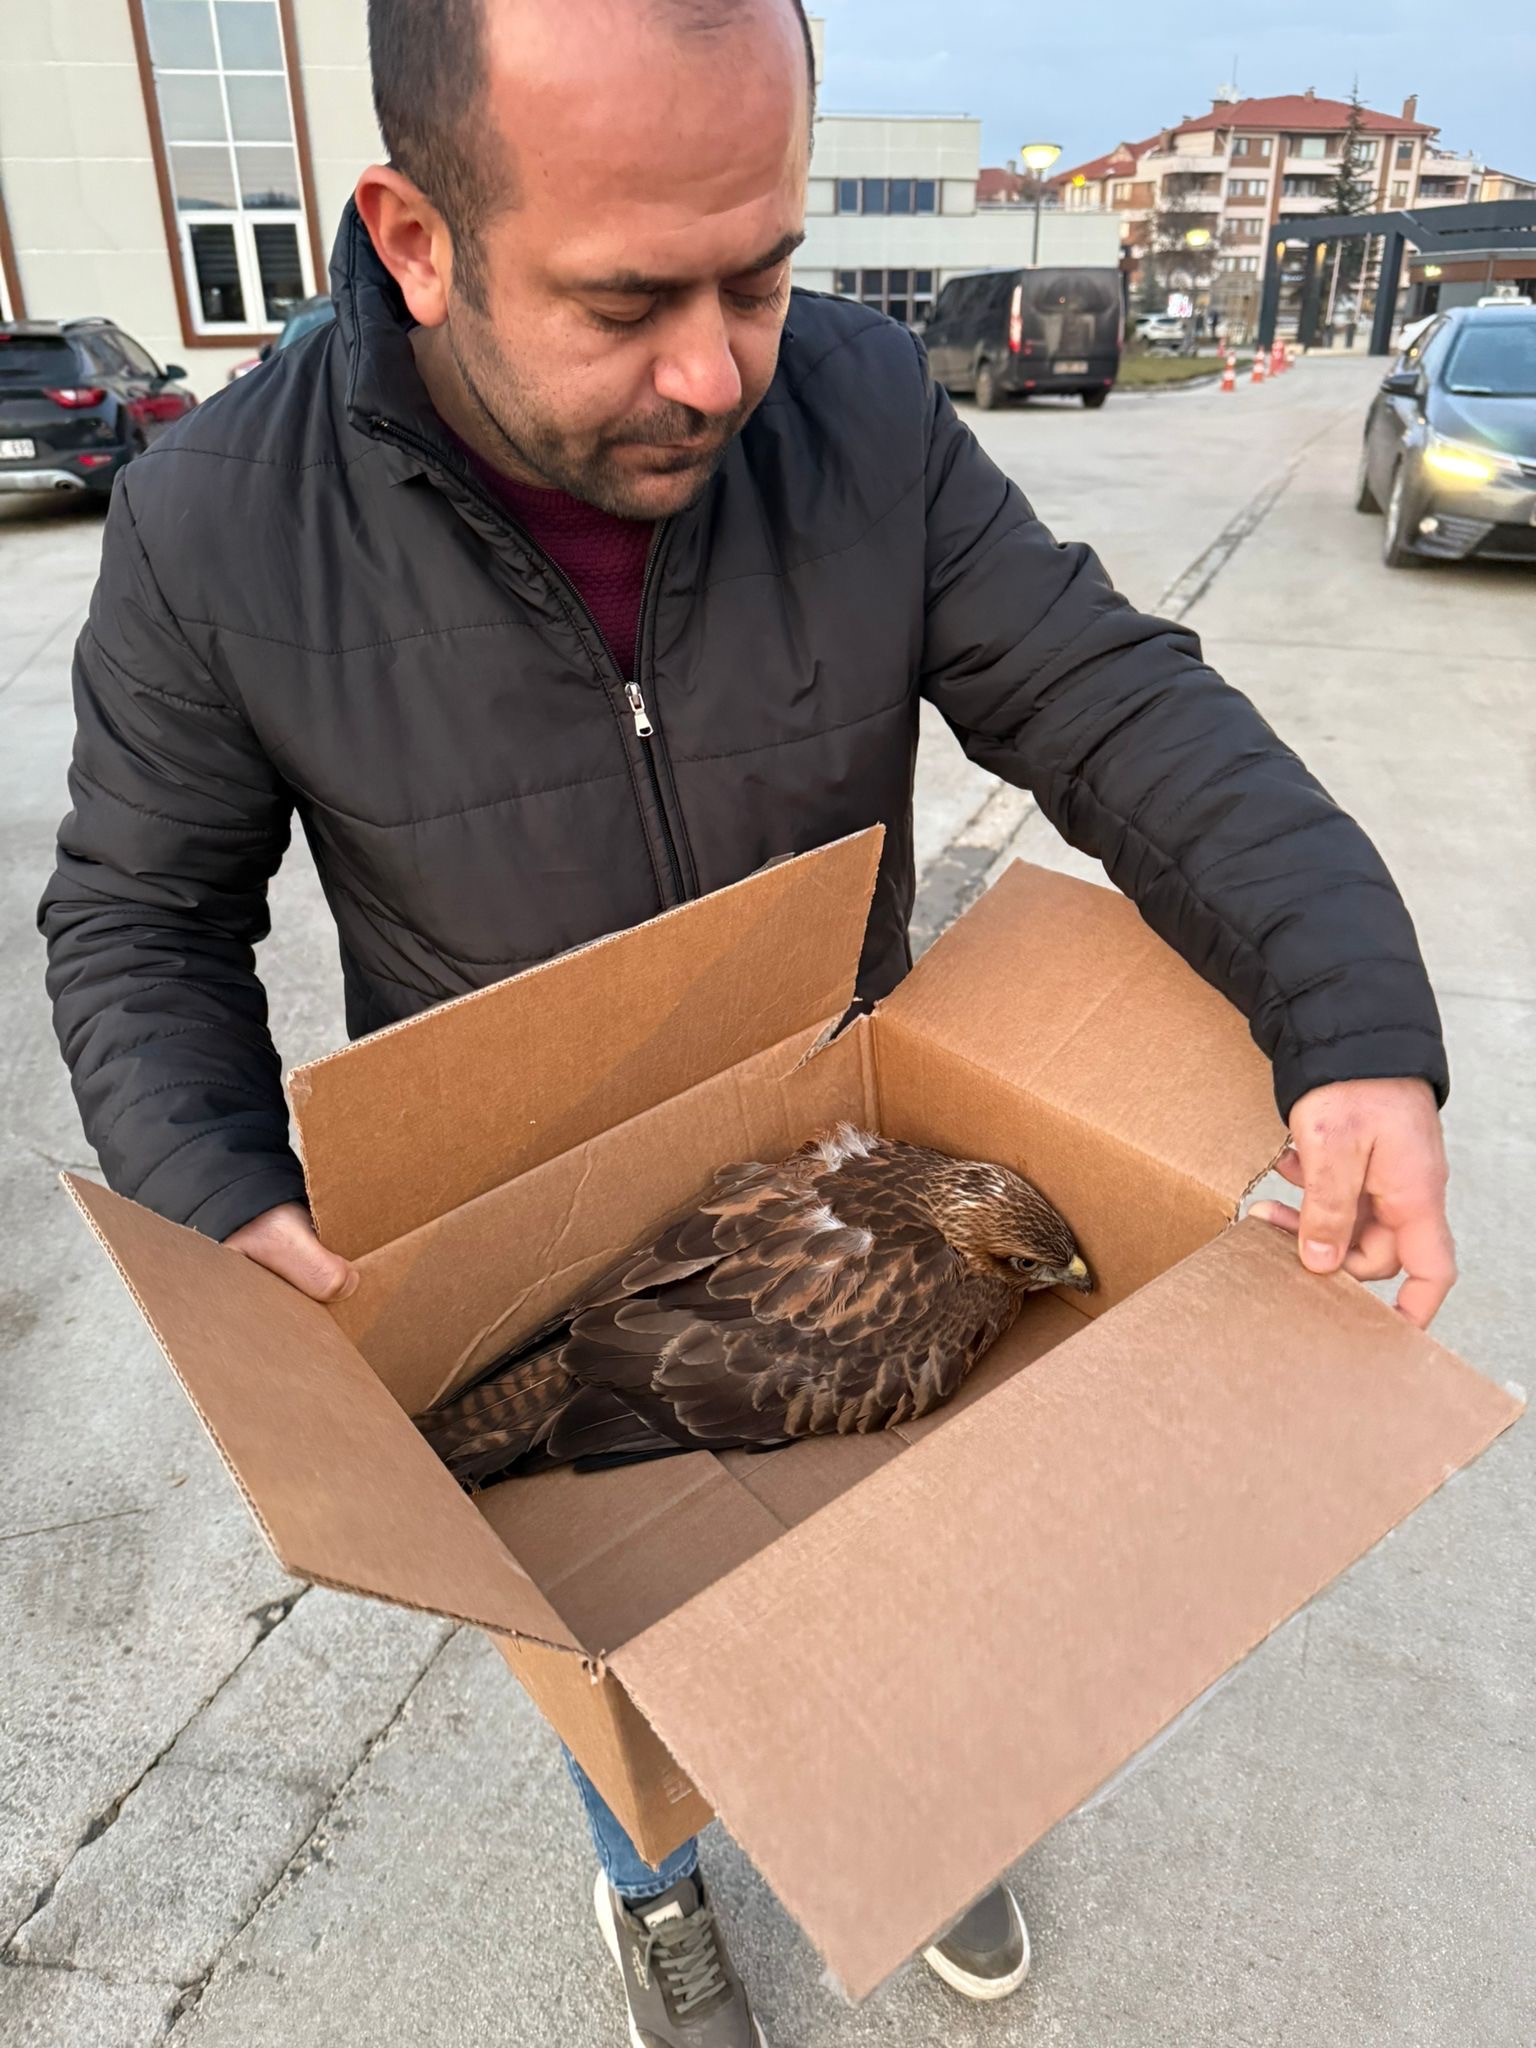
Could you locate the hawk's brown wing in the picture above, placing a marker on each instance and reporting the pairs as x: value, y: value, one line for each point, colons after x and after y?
x: 796, y: 1300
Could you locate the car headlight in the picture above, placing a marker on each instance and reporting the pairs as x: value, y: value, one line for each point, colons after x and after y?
x: 1460, y: 462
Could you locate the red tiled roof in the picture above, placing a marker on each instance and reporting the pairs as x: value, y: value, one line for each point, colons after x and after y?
x: 1122, y: 159
x: 1301, y: 115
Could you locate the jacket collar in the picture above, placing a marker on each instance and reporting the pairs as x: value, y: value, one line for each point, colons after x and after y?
x: 384, y: 394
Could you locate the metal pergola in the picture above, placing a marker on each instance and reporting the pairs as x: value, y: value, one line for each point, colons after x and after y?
x: 1499, y: 227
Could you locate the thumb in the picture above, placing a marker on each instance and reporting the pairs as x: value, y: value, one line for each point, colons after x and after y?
x: 284, y: 1241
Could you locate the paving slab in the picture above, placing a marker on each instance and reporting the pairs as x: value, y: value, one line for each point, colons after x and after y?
x: 207, y: 1833
x: 41, y: 2008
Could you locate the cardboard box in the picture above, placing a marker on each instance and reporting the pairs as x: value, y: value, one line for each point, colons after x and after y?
x: 891, y: 1662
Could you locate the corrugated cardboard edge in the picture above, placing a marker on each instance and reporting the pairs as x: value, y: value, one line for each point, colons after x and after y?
x: 308, y: 1576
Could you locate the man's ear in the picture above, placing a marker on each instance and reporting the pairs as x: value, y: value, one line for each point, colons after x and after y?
x: 412, y: 240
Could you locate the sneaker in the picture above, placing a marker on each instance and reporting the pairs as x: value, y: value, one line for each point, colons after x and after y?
x: 678, y: 1979
x: 985, y: 1954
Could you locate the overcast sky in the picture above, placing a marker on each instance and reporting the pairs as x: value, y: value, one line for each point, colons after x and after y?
x: 1088, y: 76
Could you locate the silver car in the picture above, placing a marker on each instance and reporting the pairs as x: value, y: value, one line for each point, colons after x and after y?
x: 1450, y: 441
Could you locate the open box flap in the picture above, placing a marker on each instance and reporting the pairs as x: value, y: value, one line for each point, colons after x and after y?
x: 406, y: 1125
x: 343, y: 1487
x: 947, y: 1659
x: 1057, y: 987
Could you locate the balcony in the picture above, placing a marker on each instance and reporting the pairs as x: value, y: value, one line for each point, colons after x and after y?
x: 1318, y: 167
x: 1175, y: 162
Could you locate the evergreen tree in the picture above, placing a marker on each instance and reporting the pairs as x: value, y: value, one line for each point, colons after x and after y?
x: 1353, y: 190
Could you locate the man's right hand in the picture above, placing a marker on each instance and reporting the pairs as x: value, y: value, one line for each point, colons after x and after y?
x: 284, y: 1241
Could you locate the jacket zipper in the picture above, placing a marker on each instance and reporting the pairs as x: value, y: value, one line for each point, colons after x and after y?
x: 643, y: 725
x: 670, y: 870
x: 653, y: 746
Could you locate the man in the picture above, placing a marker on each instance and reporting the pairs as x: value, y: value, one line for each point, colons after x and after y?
x: 579, y: 569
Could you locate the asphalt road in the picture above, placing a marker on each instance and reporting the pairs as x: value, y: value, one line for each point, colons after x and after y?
x: 235, y: 1812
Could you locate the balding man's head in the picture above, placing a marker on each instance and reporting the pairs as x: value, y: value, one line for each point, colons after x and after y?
x: 431, y: 70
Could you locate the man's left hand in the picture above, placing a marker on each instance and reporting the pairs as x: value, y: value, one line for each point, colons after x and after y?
x: 1369, y: 1159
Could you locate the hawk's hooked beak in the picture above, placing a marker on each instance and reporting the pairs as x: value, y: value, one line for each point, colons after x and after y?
x: 1078, y: 1276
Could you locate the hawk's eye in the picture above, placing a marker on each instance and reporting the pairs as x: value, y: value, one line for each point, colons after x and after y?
x: 1025, y: 1265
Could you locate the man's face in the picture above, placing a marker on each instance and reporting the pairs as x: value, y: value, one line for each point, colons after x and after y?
x: 636, y: 291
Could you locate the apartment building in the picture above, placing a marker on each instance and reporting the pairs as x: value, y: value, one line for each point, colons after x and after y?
x: 1247, y: 164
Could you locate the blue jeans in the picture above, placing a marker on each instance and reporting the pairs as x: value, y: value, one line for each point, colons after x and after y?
x: 627, y: 1870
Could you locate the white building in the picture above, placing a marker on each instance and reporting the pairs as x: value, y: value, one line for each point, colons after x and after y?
x: 892, y: 212
x: 180, y: 166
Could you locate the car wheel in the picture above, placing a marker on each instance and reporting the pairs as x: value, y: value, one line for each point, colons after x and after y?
x: 1397, y: 542
x: 1365, y: 497
x: 1094, y: 399
x: 988, y: 392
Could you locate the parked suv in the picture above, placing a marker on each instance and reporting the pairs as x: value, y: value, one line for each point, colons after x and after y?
x: 77, y: 401
x: 1027, y: 333
x: 1450, y: 440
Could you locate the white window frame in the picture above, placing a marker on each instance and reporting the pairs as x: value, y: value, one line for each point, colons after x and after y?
x: 257, y: 320
x: 241, y: 219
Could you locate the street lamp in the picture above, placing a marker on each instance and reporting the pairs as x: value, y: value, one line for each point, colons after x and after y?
x: 1039, y: 156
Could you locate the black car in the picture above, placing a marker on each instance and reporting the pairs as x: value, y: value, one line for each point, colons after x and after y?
x: 77, y: 401
x: 1028, y: 333
x: 1450, y: 441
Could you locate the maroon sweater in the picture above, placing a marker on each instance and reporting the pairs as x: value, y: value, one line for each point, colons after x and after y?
x: 603, y: 556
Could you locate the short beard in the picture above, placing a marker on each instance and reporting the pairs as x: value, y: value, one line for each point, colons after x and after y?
x: 538, y: 449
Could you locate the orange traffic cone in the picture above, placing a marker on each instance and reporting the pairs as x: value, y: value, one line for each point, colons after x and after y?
x: 1258, y: 366
x: 1277, y: 361
x: 1229, y: 374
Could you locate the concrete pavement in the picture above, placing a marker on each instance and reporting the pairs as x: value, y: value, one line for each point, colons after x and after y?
x: 235, y: 1812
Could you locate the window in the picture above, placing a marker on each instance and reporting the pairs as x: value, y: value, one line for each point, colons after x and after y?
x: 1260, y: 146
x: 1364, y: 152
x: 226, y: 119
x: 1309, y: 145
x: 1247, y: 188
x: 1405, y: 152
x: 887, y: 195
x: 1400, y: 192
x: 903, y: 294
x: 140, y: 361
x: 1121, y: 194
x: 1494, y: 358
x: 46, y: 358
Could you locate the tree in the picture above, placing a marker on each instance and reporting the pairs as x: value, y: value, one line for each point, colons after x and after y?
x: 1352, y: 192
x: 1171, y: 265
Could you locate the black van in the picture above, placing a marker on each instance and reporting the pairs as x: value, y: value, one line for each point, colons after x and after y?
x: 1022, y: 333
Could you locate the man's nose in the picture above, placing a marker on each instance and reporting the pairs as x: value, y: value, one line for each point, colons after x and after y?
x: 696, y: 367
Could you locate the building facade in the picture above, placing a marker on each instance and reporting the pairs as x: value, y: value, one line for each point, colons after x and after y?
x: 182, y: 169
x: 1248, y: 164
x: 1235, y: 172
x: 894, y: 210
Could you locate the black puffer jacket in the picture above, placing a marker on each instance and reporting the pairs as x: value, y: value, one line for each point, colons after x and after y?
x: 307, y: 605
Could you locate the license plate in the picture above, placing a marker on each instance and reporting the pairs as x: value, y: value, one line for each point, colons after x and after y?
x: 1070, y: 369
x: 14, y: 451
